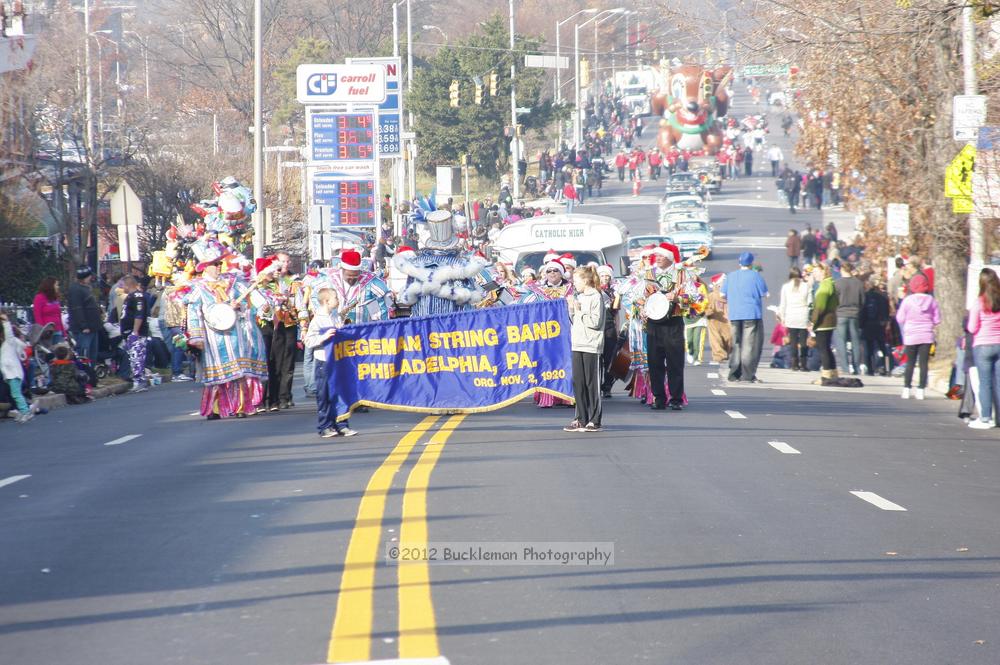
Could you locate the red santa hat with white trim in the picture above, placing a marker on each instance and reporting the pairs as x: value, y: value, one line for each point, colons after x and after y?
x: 405, y: 251
x: 554, y: 263
x: 568, y: 261
x: 667, y: 249
x: 350, y: 259
x: 549, y: 256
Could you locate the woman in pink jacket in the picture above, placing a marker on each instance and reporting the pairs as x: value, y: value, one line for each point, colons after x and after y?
x: 918, y: 315
x: 984, y: 324
x: 47, y: 309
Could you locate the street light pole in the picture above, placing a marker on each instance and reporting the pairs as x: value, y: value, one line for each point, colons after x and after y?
x: 559, y: 25
x: 258, y: 128
x: 977, y: 240
x: 411, y: 161
x: 577, y: 115
x: 89, y: 112
x: 515, y: 142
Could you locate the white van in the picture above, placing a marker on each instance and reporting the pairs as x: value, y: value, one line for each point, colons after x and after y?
x: 587, y: 237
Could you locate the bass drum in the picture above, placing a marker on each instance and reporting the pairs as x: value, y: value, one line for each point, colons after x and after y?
x: 622, y: 362
x: 657, y: 307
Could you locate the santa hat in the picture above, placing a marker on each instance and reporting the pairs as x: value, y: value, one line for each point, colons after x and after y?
x: 605, y: 270
x: 263, y: 263
x: 405, y: 251
x: 554, y: 263
x: 350, y: 259
x: 550, y: 255
x: 568, y: 260
x: 718, y: 278
x: 667, y: 249
x: 648, y: 250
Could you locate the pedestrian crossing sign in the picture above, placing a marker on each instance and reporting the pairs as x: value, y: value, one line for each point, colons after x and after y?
x: 962, y: 205
x: 958, y: 174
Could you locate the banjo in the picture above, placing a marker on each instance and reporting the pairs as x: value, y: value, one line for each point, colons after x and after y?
x: 657, y: 306
x: 221, y: 316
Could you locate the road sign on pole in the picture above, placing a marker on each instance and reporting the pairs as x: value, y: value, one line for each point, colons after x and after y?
x: 757, y: 71
x: 958, y: 174
x: 897, y: 219
x: 968, y: 115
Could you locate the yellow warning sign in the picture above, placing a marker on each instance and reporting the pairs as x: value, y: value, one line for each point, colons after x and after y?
x: 958, y: 174
x: 961, y: 205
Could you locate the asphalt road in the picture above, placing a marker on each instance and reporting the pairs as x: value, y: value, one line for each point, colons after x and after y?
x: 735, y: 533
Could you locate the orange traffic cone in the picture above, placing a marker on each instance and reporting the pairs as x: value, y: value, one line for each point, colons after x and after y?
x: 636, y: 187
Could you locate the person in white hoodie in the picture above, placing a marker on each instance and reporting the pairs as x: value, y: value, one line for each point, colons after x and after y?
x: 586, y: 309
x: 13, y: 353
x: 793, y: 313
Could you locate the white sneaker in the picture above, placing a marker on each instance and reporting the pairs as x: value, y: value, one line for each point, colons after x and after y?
x: 863, y: 369
x: 920, y: 393
x: 180, y: 377
x: 690, y: 359
x: 981, y: 424
x: 25, y: 417
x: 906, y: 393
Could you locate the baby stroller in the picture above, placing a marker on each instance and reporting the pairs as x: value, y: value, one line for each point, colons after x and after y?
x: 40, y: 339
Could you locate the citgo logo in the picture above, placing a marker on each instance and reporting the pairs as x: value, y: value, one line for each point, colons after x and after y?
x: 321, y: 84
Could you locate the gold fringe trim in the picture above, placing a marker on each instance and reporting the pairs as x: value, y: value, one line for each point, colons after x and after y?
x: 450, y: 410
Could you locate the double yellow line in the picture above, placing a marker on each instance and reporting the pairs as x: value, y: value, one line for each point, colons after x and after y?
x: 351, y: 637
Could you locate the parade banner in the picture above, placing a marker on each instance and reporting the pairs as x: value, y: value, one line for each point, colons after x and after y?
x: 467, y: 362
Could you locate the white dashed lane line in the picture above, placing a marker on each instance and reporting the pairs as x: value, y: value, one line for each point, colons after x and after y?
x: 876, y: 500
x: 13, y: 479
x: 783, y: 447
x: 124, y: 439
x: 718, y: 393
x: 736, y: 415
x: 713, y: 375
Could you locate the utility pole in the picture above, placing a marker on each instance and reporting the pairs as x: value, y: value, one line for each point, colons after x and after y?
x: 977, y: 241
x: 258, y: 128
x: 515, y: 141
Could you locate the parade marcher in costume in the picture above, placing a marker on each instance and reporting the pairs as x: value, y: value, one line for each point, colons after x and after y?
x: 720, y: 334
x: 612, y: 303
x: 632, y: 292
x: 441, y: 278
x: 234, y: 357
x: 135, y: 329
x: 695, y: 329
x: 665, y: 336
x: 311, y: 282
x: 363, y: 296
x: 280, y: 331
x: 553, y: 285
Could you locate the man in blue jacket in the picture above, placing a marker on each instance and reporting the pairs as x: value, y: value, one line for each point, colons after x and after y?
x: 744, y: 291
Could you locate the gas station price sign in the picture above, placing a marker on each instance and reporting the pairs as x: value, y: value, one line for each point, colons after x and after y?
x: 342, y: 136
x: 352, y: 202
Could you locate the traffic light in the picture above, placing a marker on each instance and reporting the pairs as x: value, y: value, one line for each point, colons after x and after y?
x: 493, y: 84
x: 584, y: 73
x: 479, y: 94
x: 453, y: 93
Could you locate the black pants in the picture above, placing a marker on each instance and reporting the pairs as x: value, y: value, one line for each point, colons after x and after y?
x: 586, y: 387
x: 611, y: 346
x: 280, y: 364
x: 621, y: 178
x: 915, y: 352
x: 665, y: 353
x: 823, y: 341
x: 800, y: 351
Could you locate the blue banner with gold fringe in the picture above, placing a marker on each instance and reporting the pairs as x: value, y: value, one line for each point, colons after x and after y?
x: 466, y: 362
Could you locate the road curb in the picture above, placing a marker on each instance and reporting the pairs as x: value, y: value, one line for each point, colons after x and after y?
x: 58, y: 400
